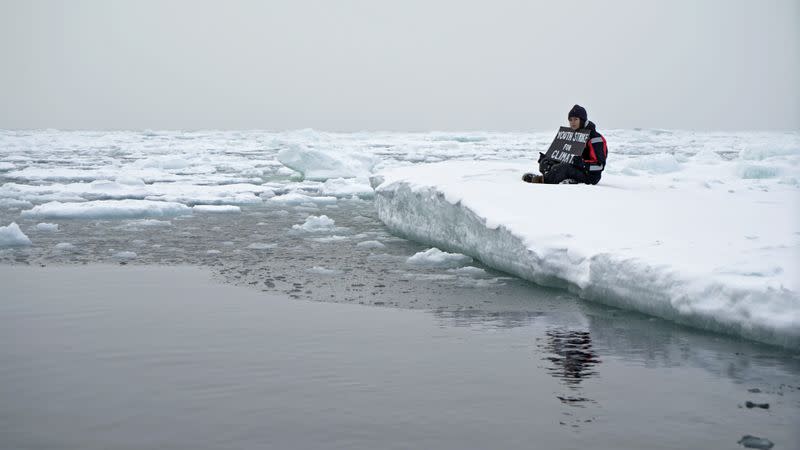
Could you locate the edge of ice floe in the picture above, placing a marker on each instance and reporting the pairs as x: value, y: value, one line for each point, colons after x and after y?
x: 620, y: 282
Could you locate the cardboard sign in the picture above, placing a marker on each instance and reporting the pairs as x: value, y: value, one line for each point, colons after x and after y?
x: 568, y: 144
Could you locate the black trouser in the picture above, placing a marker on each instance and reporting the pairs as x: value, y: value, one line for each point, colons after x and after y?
x: 563, y: 171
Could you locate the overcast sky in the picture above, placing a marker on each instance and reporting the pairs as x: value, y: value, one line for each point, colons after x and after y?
x: 399, y: 65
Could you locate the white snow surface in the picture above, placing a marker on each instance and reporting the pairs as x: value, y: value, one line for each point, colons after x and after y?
x: 693, y: 247
x: 107, y: 209
x: 12, y: 236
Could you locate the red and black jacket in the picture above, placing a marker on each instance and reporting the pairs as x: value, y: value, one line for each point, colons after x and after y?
x: 594, y: 155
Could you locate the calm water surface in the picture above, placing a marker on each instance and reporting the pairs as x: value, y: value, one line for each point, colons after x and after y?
x: 153, y: 357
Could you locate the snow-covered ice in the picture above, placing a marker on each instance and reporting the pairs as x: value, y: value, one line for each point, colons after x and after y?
x: 221, y: 209
x: 12, y: 236
x: 314, y: 224
x: 296, y: 198
x: 723, y: 256
x: 14, y: 203
x: 107, y: 209
x: 347, y: 187
x: 322, y: 164
x: 700, y: 227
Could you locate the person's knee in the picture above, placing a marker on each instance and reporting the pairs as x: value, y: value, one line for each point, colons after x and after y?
x: 556, y: 174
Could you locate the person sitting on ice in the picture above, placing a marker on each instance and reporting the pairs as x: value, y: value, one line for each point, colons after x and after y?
x: 586, y: 169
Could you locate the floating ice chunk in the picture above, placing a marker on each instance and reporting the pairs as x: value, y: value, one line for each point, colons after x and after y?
x: 240, y: 194
x: 12, y: 236
x: 106, y: 209
x: 318, y: 164
x: 314, y: 224
x: 65, y: 247
x: 49, y: 227
x: 224, y: 209
x: 319, y: 270
x: 296, y: 198
x: 4, y: 166
x: 433, y: 257
x: 126, y: 255
x: 267, y: 194
x: 213, y: 252
x: 370, y: 244
x: 347, y: 187
x: 14, y: 203
x: 260, y: 246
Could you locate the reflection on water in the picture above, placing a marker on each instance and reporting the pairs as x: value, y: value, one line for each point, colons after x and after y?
x: 573, y: 359
x: 572, y: 355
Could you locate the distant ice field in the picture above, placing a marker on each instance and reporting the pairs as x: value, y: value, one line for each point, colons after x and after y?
x: 294, y: 211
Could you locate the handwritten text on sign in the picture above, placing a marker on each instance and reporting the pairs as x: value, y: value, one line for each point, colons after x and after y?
x: 568, y: 144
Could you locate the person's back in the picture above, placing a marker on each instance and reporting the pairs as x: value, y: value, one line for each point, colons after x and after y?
x: 595, y: 153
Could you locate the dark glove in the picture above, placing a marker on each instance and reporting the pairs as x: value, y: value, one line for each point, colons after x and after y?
x: 578, y: 162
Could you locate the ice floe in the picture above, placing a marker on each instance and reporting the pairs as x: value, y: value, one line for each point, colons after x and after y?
x: 720, y: 259
x: 219, y: 209
x: 433, y: 257
x: 297, y: 198
x: 315, y: 224
x: 12, y: 236
x: 106, y: 209
x: 322, y: 164
x: 48, y: 227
